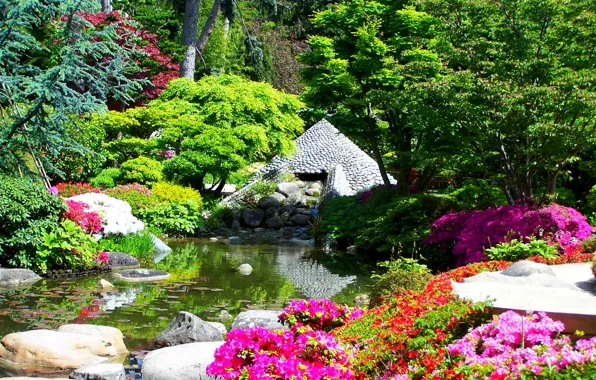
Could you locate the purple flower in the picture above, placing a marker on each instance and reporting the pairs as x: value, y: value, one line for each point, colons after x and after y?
x: 53, y: 190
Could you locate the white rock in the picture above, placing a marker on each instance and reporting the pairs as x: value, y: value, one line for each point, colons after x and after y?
x: 116, y: 215
x: 244, y: 269
x: 262, y: 318
x: 105, y: 284
x: 110, y: 334
x: 103, y: 371
x: 186, y: 361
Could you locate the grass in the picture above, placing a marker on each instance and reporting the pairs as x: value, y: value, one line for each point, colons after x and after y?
x: 139, y: 245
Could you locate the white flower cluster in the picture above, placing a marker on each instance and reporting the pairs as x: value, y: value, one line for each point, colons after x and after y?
x: 116, y: 215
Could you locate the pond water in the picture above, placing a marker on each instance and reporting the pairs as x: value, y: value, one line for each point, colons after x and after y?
x: 203, y: 281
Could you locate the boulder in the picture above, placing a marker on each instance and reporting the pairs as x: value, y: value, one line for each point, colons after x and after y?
x: 527, y: 268
x: 55, y: 350
x: 300, y: 219
x: 274, y: 200
x: 244, y: 269
x: 225, y: 316
x: 289, y: 209
x: 297, y: 199
x: 300, y: 184
x: 274, y: 222
x: 103, y: 371
x: 233, y: 240
x: 352, y: 250
x: 271, y: 212
x: 161, y: 247
x: 288, y: 189
x: 220, y: 326
x: 304, y: 236
x: 122, y: 260
x: 14, y: 277
x: 261, y: 318
x: 116, y: 215
x: 110, y: 334
x: 188, y: 328
x: 316, y: 186
x: 252, y: 217
x: 141, y: 275
x: 313, y: 192
x: 543, y: 280
x: 186, y: 361
x: 285, y: 216
x: 236, y: 224
x: 105, y: 284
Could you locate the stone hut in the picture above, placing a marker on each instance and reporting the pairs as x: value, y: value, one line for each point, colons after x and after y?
x: 323, y: 153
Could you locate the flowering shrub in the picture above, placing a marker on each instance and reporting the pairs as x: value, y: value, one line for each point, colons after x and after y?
x: 325, y: 315
x: 258, y: 353
x: 102, y: 258
x: 512, y: 346
x: 473, y: 231
x: 89, y: 221
x: 69, y: 189
x: 170, y: 192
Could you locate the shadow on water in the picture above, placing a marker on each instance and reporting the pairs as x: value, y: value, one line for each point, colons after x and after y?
x: 203, y: 281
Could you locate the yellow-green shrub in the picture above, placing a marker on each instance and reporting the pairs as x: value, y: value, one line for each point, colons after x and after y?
x: 169, y: 192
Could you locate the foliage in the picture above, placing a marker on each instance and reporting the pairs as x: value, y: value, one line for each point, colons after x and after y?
x: 47, y: 80
x: 169, y: 192
x: 401, y: 275
x: 473, y: 231
x: 137, y: 196
x: 516, y: 346
x: 66, y: 246
x: 142, y: 170
x: 27, y: 210
x: 258, y: 190
x: 89, y: 221
x: 260, y: 353
x: 319, y: 315
x: 220, y: 215
x: 174, y: 219
x: 516, y: 250
x: 139, y: 245
x: 106, y: 178
x: 478, y: 195
x: 69, y: 189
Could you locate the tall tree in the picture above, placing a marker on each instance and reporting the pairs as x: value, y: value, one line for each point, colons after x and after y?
x: 189, y: 35
x: 106, y: 6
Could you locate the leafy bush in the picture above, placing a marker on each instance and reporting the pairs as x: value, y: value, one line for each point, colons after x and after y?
x: 478, y: 195
x: 89, y: 221
x: 220, y: 215
x: 69, y: 189
x: 66, y: 246
x: 170, y: 192
x: 142, y: 170
x: 401, y: 275
x: 139, y: 245
x: 258, y: 190
x: 470, y: 232
x: 106, y: 178
x: 516, y: 250
x: 138, y: 196
x: 174, y: 219
x: 27, y: 210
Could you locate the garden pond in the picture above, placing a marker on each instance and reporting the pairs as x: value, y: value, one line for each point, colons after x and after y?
x: 203, y: 281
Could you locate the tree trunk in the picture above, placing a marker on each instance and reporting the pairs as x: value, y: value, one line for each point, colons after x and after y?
x: 106, y: 6
x: 377, y: 153
x: 226, y: 28
x: 189, y: 35
x: 209, y: 26
x: 551, y: 188
x: 220, y: 187
x: 404, y: 149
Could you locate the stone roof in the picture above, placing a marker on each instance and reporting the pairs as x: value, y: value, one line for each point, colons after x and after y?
x: 321, y: 149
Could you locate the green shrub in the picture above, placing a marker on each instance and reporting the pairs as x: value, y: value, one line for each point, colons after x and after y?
x: 258, y: 190
x: 106, y: 178
x: 169, y: 192
x: 66, y: 246
x: 174, y: 219
x: 562, y: 196
x: 396, y: 282
x: 138, y: 196
x: 143, y: 170
x: 516, y: 250
x: 221, y: 215
x: 27, y: 210
x: 478, y: 195
x: 139, y: 245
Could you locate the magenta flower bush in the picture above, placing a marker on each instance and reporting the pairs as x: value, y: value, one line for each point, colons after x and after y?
x: 258, y: 353
x: 470, y: 232
x: 325, y: 315
x: 511, y: 346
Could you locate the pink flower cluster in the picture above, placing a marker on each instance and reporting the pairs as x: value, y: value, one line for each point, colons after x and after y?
x: 102, y: 258
x: 513, y: 345
x: 325, y: 315
x: 89, y: 221
x: 258, y: 353
x: 473, y: 231
x: 130, y: 187
x: 167, y: 154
